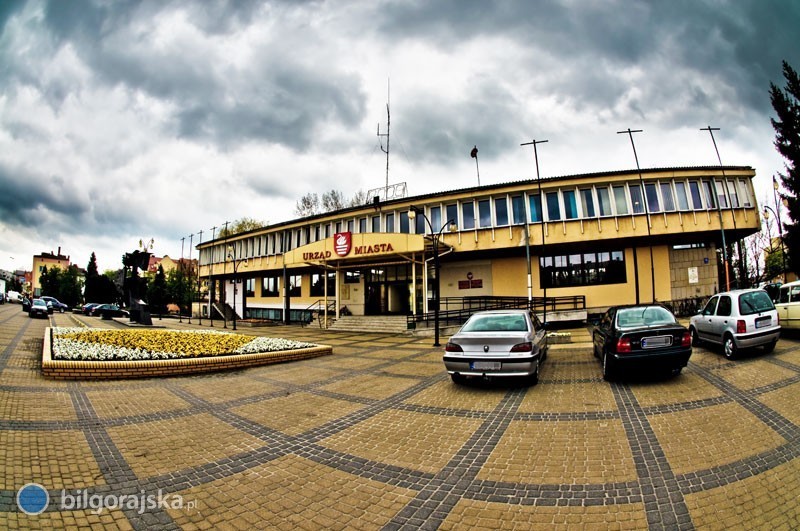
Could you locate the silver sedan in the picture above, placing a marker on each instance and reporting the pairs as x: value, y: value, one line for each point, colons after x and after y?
x: 497, y: 343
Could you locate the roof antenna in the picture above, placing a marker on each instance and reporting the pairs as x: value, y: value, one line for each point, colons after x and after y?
x: 388, y: 121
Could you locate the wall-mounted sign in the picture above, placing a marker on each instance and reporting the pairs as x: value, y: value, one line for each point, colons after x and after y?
x: 342, y: 242
x: 694, y: 278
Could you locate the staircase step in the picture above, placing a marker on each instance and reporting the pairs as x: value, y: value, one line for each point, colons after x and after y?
x: 371, y: 323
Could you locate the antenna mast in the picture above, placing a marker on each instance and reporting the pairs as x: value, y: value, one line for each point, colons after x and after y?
x: 388, y: 121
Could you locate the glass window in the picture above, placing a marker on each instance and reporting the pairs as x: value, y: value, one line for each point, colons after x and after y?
x: 636, y: 198
x: 351, y: 225
x: 620, y: 200
x: 535, y: 203
x: 582, y: 269
x: 603, y: 201
x: 390, y: 222
x: 587, y: 203
x: 295, y: 282
x: 733, y: 194
x: 317, y: 286
x: 711, y: 201
x: 404, y: 225
x: 518, y: 209
x: 652, y: 197
x: 362, y: 225
x: 352, y: 277
x: 553, y: 210
x: 376, y: 223
x: 570, y: 206
x: 501, y: 211
x: 744, y: 193
x: 468, y: 215
x: 327, y: 231
x: 484, y: 213
x: 725, y: 306
x: 269, y: 287
x: 694, y: 189
x: 667, y: 198
x: 250, y: 287
x: 452, y: 214
x: 419, y: 225
x: 436, y: 217
x: 721, y: 195
x: 680, y: 192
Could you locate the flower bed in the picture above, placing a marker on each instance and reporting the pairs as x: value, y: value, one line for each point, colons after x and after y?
x: 79, y: 353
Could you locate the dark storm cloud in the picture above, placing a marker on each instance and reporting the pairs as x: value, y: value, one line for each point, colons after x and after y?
x: 733, y: 42
x: 26, y: 195
x: 276, y: 99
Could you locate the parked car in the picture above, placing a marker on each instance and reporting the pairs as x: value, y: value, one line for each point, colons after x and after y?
x: 788, y: 305
x: 55, y: 303
x: 87, y: 308
x: 2, y: 298
x: 14, y: 296
x: 497, y: 343
x: 109, y: 310
x: 641, y: 335
x: 737, y: 320
x: 26, y: 304
x: 38, y: 308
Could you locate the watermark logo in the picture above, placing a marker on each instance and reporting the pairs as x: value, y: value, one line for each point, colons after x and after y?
x: 32, y: 499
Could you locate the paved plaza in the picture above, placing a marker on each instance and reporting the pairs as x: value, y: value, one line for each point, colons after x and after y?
x: 376, y: 436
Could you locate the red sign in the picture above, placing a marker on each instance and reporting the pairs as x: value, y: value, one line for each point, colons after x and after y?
x: 342, y: 241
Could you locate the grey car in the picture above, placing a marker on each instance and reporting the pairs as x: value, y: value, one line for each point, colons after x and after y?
x: 38, y: 308
x: 737, y: 320
x: 497, y: 343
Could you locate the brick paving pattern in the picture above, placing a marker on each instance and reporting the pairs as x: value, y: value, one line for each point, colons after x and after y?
x: 377, y: 437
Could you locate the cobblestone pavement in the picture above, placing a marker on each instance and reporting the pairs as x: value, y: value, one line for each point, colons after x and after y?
x: 377, y: 437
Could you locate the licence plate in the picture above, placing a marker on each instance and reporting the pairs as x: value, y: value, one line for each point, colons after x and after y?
x: 657, y: 341
x: 486, y: 365
x: 764, y: 321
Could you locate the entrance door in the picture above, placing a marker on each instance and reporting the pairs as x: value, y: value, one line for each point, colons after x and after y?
x: 387, y: 290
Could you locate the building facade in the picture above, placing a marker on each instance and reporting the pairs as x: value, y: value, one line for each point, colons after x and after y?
x: 611, y: 238
x: 46, y: 261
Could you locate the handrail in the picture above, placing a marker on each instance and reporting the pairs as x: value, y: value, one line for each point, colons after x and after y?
x: 464, y: 307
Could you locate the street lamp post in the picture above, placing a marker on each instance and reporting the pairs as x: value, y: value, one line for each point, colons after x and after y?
x: 236, y: 264
x: 435, y: 236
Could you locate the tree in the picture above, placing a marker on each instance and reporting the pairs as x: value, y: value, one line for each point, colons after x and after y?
x: 308, y: 205
x: 241, y: 225
x: 157, y: 292
x: 92, y: 282
x: 63, y: 284
x: 786, y: 103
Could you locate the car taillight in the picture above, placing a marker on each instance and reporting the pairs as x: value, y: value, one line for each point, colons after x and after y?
x: 741, y: 326
x: 623, y: 344
x: 686, y: 340
x: 452, y: 347
x: 522, y: 347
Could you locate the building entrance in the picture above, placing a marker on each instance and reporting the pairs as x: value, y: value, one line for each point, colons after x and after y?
x: 387, y: 290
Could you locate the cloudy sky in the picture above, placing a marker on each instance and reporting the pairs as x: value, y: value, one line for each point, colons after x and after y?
x: 122, y: 121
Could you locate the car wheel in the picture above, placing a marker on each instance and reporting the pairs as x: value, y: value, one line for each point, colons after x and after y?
x: 608, y: 367
x: 696, y: 341
x: 769, y: 347
x: 457, y: 378
x: 533, y: 379
x: 729, y: 348
x: 676, y: 371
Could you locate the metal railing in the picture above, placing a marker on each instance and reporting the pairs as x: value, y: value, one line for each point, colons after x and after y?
x: 456, y: 310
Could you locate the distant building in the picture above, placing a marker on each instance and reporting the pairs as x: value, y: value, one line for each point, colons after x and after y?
x: 167, y: 263
x: 46, y: 261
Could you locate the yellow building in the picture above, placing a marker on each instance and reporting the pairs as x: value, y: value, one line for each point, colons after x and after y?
x: 594, y: 240
x: 46, y: 261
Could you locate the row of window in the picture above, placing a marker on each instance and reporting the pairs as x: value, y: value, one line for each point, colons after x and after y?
x: 270, y: 286
x: 572, y: 203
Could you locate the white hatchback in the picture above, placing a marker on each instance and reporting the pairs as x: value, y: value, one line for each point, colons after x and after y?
x: 737, y: 320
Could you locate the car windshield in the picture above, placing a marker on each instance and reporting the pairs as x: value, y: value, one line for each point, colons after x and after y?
x: 39, y: 303
x: 644, y: 316
x: 496, y: 323
x: 755, y: 302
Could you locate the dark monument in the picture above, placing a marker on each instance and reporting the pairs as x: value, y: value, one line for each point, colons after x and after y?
x: 133, y: 286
